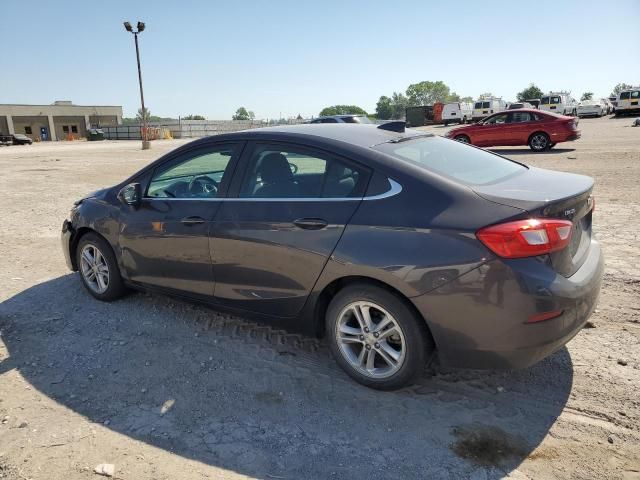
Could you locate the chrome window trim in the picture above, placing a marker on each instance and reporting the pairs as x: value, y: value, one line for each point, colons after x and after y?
x: 395, y: 188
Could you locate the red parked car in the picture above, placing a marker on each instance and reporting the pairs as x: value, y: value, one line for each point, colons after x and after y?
x: 524, y: 126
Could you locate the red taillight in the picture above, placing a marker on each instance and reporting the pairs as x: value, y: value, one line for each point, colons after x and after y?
x: 526, y: 238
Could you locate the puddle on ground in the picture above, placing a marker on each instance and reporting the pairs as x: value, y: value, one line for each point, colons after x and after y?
x: 487, y: 445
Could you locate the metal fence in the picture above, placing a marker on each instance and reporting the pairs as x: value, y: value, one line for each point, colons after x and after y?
x: 185, y: 129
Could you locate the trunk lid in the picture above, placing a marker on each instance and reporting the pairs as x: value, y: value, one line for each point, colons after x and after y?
x: 545, y: 193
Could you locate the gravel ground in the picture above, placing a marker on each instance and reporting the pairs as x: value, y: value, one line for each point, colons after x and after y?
x: 164, y: 389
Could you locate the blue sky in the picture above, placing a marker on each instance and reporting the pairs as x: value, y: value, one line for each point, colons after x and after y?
x: 288, y: 57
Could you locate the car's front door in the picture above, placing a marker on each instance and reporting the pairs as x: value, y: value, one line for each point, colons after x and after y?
x: 491, y: 132
x: 271, y: 242
x: 164, y: 242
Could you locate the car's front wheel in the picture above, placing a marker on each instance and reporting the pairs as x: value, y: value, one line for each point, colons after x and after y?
x: 462, y: 139
x: 98, y: 268
x: 539, y: 142
x: 376, y: 337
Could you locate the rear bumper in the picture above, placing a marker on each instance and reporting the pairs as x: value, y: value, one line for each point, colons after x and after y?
x: 66, y: 237
x: 478, y: 320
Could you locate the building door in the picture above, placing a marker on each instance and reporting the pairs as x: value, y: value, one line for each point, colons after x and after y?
x: 44, y: 134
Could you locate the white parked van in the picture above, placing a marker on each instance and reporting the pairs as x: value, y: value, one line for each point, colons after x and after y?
x: 486, y: 106
x: 628, y: 101
x: 561, y: 103
x: 458, y: 112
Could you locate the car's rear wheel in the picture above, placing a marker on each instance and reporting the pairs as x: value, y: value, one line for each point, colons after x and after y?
x: 539, y: 142
x: 462, y: 139
x: 98, y: 268
x: 376, y: 337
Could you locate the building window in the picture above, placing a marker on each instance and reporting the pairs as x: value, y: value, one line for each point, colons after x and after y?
x: 74, y: 129
x: 65, y: 128
x: 27, y: 130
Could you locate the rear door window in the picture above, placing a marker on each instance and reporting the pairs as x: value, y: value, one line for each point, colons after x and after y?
x: 279, y: 171
x: 478, y: 105
x: 519, y: 117
x: 625, y: 95
x: 544, y: 100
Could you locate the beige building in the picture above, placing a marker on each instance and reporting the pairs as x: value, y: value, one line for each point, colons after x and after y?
x: 58, y: 121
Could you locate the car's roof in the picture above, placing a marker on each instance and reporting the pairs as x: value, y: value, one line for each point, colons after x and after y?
x: 363, y: 135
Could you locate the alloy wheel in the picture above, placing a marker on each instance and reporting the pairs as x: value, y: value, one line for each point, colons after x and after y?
x: 94, y: 268
x: 370, y: 339
x: 539, y: 142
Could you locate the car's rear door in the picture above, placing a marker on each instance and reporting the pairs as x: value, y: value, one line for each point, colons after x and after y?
x: 270, y: 243
x: 519, y: 127
x: 164, y: 242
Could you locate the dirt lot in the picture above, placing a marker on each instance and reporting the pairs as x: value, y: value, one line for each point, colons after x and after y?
x: 167, y: 390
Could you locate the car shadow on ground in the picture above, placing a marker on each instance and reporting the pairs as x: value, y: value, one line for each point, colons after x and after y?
x: 241, y: 396
x: 528, y: 151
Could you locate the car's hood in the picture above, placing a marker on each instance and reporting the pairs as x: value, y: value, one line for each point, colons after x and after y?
x: 98, y: 194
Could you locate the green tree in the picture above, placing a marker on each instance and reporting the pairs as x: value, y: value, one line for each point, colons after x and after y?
x: 252, y: 115
x: 143, y: 115
x: 193, y: 117
x: 342, y: 110
x: 466, y: 99
x: 399, y: 105
x: 241, y: 114
x: 619, y: 88
x: 384, y: 108
x: 586, y: 96
x: 532, y: 91
x: 486, y: 95
x: 453, y: 97
x: 427, y: 93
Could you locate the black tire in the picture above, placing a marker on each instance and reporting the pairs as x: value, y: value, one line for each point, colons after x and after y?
x: 462, y: 139
x: 115, y: 287
x: 417, y: 345
x: 539, y: 142
x: 446, y: 124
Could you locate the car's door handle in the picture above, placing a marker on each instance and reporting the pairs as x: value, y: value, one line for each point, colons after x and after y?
x: 192, y: 220
x: 310, y: 223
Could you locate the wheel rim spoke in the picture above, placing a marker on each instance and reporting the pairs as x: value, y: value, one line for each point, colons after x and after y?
x: 94, y: 268
x: 370, y: 339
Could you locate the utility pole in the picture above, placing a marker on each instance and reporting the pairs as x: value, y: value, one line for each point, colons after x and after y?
x: 144, y: 134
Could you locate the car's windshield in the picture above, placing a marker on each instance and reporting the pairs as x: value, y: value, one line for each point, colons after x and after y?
x: 468, y: 165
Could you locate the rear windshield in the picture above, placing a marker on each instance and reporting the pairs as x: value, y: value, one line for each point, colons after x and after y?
x: 468, y: 165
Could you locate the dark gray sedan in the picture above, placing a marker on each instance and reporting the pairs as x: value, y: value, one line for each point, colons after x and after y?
x: 395, y: 245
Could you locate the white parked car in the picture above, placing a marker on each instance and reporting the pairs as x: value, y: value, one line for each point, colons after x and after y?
x: 484, y: 107
x: 628, y: 101
x: 559, y: 102
x: 457, y: 112
x: 591, y: 108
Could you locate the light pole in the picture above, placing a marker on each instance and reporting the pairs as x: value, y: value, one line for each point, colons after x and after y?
x: 140, y: 28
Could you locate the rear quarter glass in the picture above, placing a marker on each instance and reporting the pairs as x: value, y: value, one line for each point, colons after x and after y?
x: 454, y: 160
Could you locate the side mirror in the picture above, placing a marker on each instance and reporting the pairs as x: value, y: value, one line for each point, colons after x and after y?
x: 130, y: 194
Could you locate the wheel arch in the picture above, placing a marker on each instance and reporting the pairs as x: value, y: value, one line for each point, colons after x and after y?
x: 73, y: 245
x: 331, y: 289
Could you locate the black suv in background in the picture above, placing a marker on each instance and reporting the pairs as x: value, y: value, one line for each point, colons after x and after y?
x: 15, y: 139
